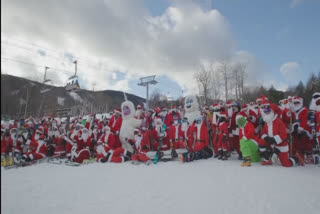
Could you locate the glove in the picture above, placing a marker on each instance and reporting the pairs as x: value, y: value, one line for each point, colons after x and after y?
x: 270, y: 140
x: 144, y: 147
x: 275, y: 150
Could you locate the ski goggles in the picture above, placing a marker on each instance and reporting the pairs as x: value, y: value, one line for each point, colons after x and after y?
x: 297, y: 103
x: 316, y: 96
x: 84, y: 131
x: 266, y: 109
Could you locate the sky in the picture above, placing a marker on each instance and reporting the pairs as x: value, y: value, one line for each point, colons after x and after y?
x: 117, y: 42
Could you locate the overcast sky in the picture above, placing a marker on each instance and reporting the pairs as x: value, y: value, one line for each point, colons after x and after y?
x: 118, y: 41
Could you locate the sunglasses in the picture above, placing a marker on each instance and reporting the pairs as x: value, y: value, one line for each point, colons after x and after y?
x: 315, y: 96
x: 266, y: 109
x: 85, y: 131
x: 296, y: 103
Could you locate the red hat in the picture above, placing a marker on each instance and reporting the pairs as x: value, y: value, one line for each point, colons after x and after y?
x: 229, y: 103
x: 297, y: 99
x: 157, y: 109
x: 223, y: 114
x: 275, y: 108
x: 136, y: 130
x: 139, y: 107
x: 261, y: 98
x: 241, y: 114
x: 173, y: 106
x: 117, y: 110
x: 265, y: 102
x: 244, y: 107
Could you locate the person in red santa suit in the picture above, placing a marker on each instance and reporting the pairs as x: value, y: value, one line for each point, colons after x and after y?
x: 37, y: 147
x: 169, y: 118
x: 58, y: 140
x: 214, y: 128
x: 158, y: 133
x: 115, y: 125
x: 223, y: 136
x: 274, y: 138
x: 139, y: 113
x: 176, y: 137
x: 234, y: 141
x: 198, y: 140
x: 108, y: 152
x: 301, y: 131
x: 314, y: 125
x: 80, y: 151
x: 7, y: 143
x: 141, y: 147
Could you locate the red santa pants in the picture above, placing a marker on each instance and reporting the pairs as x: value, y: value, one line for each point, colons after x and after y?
x: 301, y: 144
x: 140, y: 157
x: 236, y: 143
x: 179, y: 144
x: 283, y: 155
x: 81, y: 155
x: 34, y: 155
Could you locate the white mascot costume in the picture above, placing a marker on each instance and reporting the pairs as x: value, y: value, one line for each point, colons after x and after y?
x: 191, y: 107
x: 129, y: 123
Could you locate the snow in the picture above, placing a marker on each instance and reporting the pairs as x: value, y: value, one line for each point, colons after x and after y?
x: 60, y: 101
x: 204, y: 186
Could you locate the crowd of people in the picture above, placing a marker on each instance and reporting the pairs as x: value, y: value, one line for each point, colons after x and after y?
x: 259, y: 131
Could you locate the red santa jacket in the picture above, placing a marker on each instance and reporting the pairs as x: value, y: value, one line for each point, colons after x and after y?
x: 169, y: 118
x: 108, y: 141
x: 6, y: 143
x: 175, y: 133
x: 198, y: 134
x: 276, y: 129
x: 38, y: 146
x: 223, y: 131
x: 301, y: 119
x: 115, y: 124
x: 248, y: 133
x: 234, y: 128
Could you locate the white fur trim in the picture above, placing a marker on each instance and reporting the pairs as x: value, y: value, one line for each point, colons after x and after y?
x: 31, y: 156
x: 263, y: 136
x: 278, y: 139
x: 283, y: 148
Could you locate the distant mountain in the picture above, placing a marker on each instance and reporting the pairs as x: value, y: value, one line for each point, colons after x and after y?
x: 20, y: 96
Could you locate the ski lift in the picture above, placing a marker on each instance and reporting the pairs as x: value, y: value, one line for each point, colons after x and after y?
x: 72, y: 83
x: 46, y: 87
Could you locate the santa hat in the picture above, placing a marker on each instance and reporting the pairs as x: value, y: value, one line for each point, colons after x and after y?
x: 40, y: 130
x: 229, y: 104
x: 265, y: 102
x: 173, y: 107
x: 205, y: 107
x: 215, y: 106
x: 261, y: 98
x: 290, y: 98
x: 223, y: 114
x: 244, y: 107
x: 117, y: 110
x: 13, y: 130
x: 139, y: 107
x: 136, y: 130
x: 241, y: 114
x: 157, y: 109
x: 297, y: 100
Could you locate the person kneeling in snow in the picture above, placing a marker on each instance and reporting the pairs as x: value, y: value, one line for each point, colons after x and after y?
x: 108, y: 152
x: 140, y: 147
x: 248, y: 140
x: 37, y: 147
x: 80, y: 151
x: 274, y: 137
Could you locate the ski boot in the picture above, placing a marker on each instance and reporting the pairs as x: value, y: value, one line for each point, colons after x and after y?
x: 266, y: 162
x: 309, y: 159
x: 216, y: 155
x: 246, y: 161
x: 184, y: 157
x: 225, y: 155
x: 174, y: 154
x: 220, y: 154
x: 240, y: 156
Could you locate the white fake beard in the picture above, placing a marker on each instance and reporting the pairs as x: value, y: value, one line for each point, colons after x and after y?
x: 36, y: 137
x: 313, y: 106
x: 297, y: 107
x: 13, y: 136
x: 158, y: 128
x: 138, y: 139
x: 85, y: 136
x: 138, y: 112
x: 317, y: 108
x: 25, y: 135
x: 57, y: 134
x: 267, y: 117
x: 230, y: 112
x: 184, y: 126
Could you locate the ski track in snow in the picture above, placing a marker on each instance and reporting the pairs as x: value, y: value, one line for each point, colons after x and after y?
x: 204, y: 186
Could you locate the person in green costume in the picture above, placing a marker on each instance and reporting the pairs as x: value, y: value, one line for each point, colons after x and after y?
x: 248, y: 140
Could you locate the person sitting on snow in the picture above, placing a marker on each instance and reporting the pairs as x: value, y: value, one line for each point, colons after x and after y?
x: 141, y: 147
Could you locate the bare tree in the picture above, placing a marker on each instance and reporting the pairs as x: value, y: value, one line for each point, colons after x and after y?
x: 215, y: 86
x: 203, y: 78
x: 225, y: 71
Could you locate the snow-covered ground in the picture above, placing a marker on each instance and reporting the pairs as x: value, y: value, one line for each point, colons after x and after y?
x: 205, y: 186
